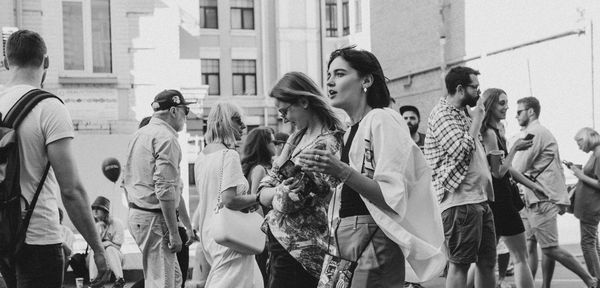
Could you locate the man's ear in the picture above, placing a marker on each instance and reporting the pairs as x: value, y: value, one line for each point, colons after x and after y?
x: 5, y: 63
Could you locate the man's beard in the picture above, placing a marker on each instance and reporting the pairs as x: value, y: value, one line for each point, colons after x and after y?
x: 471, y: 101
x: 413, y: 128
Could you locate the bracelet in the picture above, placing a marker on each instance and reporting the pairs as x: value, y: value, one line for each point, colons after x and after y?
x: 347, y: 176
x: 258, y: 197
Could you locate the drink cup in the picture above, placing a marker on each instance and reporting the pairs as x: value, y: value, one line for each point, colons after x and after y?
x: 79, y: 282
x: 496, y: 157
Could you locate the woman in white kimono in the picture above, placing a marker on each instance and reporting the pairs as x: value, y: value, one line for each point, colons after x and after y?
x: 218, y: 170
x: 385, y: 206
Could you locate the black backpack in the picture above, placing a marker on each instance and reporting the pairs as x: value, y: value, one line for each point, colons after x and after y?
x: 13, y: 224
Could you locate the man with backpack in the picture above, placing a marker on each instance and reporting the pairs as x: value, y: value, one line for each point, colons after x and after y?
x: 44, y: 137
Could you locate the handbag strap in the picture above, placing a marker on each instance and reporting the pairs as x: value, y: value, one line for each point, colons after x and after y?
x: 337, y: 243
x: 218, y: 206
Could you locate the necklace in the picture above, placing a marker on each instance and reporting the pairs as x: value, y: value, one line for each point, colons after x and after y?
x: 311, y: 143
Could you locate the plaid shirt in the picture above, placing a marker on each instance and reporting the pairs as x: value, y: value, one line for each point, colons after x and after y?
x: 448, y: 147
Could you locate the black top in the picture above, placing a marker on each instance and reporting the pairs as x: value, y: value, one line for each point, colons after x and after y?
x: 502, y: 197
x: 351, y: 203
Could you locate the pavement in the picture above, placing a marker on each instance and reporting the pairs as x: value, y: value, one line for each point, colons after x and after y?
x: 563, y: 278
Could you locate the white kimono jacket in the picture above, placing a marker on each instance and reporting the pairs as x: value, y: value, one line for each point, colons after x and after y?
x: 391, y: 158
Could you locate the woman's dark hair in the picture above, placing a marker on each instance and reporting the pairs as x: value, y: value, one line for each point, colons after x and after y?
x: 491, y: 97
x: 378, y: 95
x: 256, y: 150
x: 294, y: 86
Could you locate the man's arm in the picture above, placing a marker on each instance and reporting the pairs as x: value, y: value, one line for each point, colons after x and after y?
x: 74, y: 197
x: 184, y: 217
x: 165, y: 178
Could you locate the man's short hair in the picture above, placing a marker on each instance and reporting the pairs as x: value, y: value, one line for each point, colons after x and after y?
x: 459, y: 76
x: 410, y: 108
x: 25, y: 48
x: 531, y: 102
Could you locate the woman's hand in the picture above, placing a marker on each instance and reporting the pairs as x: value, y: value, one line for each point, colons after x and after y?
x: 522, y: 144
x: 293, y: 187
x: 322, y: 161
x: 577, y: 172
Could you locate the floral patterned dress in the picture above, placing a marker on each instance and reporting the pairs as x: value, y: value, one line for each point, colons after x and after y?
x: 300, y: 223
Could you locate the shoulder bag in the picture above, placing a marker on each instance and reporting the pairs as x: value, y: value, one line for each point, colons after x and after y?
x: 235, y: 229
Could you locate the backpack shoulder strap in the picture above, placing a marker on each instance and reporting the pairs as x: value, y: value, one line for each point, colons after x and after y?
x: 24, y: 105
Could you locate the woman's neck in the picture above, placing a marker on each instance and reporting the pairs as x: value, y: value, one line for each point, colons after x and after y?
x: 314, y: 128
x: 357, y: 114
x: 596, y: 150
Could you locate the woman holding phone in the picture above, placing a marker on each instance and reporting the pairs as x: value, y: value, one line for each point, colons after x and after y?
x: 507, y: 220
x: 296, y: 227
x: 587, y: 198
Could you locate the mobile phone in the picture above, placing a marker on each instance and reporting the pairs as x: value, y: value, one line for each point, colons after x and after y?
x: 567, y: 163
x: 529, y: 137
x: 289, y: 169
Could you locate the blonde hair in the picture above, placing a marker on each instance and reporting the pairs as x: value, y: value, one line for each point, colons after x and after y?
x: 590, y: 138
x: 219, y: 127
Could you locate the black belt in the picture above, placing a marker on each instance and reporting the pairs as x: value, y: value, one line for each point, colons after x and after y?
x: 134, y: 206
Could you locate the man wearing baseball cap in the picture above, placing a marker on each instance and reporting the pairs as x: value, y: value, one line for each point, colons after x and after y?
x: 111, y: 234
x: 153, y: 183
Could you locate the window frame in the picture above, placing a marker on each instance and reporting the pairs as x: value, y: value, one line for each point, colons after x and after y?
x: 88, y: 44
x: 242, y: 9
x: 203, y: 12
x: 345, y: 17
x: 331, y: 12
x: 244, y: 79
x: 206, y: 75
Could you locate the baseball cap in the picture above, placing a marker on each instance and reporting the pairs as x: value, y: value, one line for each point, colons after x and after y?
x: 167, y: 99
x: 410, y: 108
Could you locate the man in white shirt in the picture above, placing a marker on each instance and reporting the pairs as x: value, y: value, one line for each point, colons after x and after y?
x: 44, y: 136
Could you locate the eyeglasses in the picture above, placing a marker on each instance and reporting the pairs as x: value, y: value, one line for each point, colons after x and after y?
x: 238, y: 120
x: 186, y: 109
x: 283, y: 111
x: 473, y: 86
x: 519, y: 111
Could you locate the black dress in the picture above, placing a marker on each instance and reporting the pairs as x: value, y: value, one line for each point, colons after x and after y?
x: 506, y: 216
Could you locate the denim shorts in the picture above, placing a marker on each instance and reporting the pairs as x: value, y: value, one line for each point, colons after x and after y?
x: 469, y: 232
x: 381, y: 264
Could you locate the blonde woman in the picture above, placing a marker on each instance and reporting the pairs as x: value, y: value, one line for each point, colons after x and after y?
x: 587, y: 197
x: 218, y: 171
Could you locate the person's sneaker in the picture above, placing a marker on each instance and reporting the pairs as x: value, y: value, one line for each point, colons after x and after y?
x: 120, y: 283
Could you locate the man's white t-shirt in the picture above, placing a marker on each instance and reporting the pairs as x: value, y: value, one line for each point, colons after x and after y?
x: 49, y: 121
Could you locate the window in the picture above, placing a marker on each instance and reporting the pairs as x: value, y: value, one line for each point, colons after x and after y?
x: 244, y: 77
x: 242, y: 14
x: 210, y: 75
x: 345, y: 18
x: 357, y: 9
x: 87, y: 36
x: 209, y: 18
x: 331, y: 18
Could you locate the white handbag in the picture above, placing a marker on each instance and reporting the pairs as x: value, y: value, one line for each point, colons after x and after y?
x: 237, y: 230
